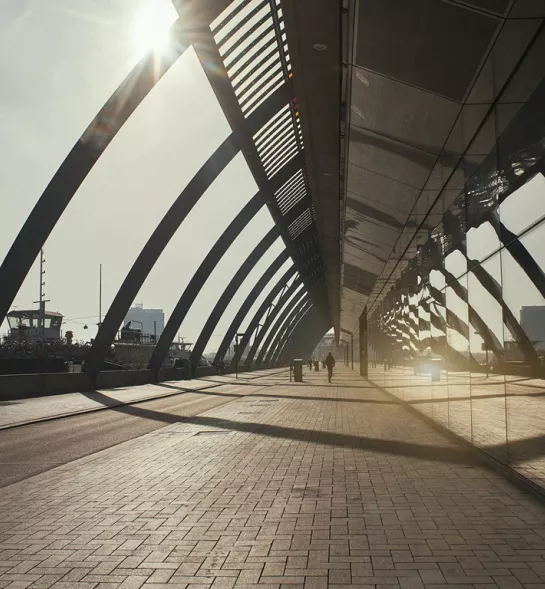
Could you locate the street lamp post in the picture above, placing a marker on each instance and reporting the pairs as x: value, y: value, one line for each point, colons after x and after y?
x: 236, y: 352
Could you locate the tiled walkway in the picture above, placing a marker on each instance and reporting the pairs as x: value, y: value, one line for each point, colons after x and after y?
x: 300, y: 486
x: 40, y: 408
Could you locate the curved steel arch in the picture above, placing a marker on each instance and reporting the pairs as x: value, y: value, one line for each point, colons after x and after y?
x: 250, y: 300
x: 209, y: 263
x: 255, y: 321
x: 288, y: 341
x: 277, y: 315
x: 153, y: 249
x: 80, y: 161
x: 306, y: 325
x: 283, y: 335
x: 198, y: 280
x: 225, y: 298
x: 302, y: 346
x: 281, y: 339
x: 270, y: 318
x: 166, y: 229
x: 276, y: 333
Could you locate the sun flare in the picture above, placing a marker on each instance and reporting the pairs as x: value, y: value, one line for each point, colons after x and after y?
x: 150, y: 30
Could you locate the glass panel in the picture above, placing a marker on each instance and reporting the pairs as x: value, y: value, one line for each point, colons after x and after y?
x: 525, y: 375
x: 458, y: 364
x: 438, y: 329
x: 422, y: 378
x: 525, y: 206
x: 223, y: 273
x: 242, y: 293
x: 456, y: 263
x: 482, y: 241
x: 145, y: 168
x: 487, y: 378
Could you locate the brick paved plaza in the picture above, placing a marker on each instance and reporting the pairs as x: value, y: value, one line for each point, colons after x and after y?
x: 297, y: 486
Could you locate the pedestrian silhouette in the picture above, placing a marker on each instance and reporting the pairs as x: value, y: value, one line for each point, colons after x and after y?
x: 329, y: 362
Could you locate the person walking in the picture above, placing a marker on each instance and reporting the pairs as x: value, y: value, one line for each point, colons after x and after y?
x: 330, y: 363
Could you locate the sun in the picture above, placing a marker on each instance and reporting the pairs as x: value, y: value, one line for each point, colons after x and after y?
x: 150, y: 29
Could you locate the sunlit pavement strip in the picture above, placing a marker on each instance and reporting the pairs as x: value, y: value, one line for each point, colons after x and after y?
x: 296, y: 486
x: 28, y: 410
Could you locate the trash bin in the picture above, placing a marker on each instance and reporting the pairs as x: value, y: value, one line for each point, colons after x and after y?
x: 298, y: 370
x: 316, y: 365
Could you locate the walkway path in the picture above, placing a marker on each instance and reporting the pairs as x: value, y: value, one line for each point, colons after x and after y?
x: 299, y: 486
x: 21, y: 411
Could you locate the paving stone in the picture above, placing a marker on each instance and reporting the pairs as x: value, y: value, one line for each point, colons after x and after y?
x: 326, y: 487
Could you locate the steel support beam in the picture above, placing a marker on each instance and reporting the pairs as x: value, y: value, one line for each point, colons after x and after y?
x: 154, y: 247
x: 285, y: 329
x: 283, y: 335
x: 239, y: 277
x: 211, y: 60
x: 307, y: 334
x: 291, y: 342
x: 199, y: 278
x: 269, y: 320
x: 260, y: 285
x: 254, y: 323
x: 279, y: 313
x: 168, y: 227
x: 81, y: 159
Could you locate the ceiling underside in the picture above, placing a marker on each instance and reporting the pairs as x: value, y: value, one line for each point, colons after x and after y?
x: 424, y: 75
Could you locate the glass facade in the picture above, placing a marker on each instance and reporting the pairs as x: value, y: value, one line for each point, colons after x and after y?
x: 458, y: 331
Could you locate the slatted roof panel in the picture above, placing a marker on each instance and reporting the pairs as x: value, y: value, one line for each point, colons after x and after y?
x: 252, y: 42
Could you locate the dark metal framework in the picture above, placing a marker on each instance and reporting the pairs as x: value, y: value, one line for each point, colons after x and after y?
x: 263, y: 114
x: 283, y: 335
x: 287, y: 343
x: 230, y: 290
x: 276, y: 332
x: 257, y: 346
x: 260, y: 285
x: 198, y: 280
x: 304, y: 338
x: 263, y: 314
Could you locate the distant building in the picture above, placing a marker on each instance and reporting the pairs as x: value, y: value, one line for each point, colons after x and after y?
x: 532, y: 320
x: 149, y: 321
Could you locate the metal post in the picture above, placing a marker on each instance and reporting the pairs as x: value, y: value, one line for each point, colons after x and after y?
x: 236, y: 352
x: 42, y: 305
x: 41, y: 318
x: 100, y: 296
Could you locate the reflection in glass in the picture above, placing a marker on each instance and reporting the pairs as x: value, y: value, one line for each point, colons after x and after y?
x: 458, y: 358
x: 524, y: 383
x: 525, y: 206
x: 487, y: 377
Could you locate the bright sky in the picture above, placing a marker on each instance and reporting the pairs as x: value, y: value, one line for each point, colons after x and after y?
x: 59, y: 63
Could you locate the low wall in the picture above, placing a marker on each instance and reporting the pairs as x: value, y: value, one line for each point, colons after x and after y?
x: 24, y: 386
